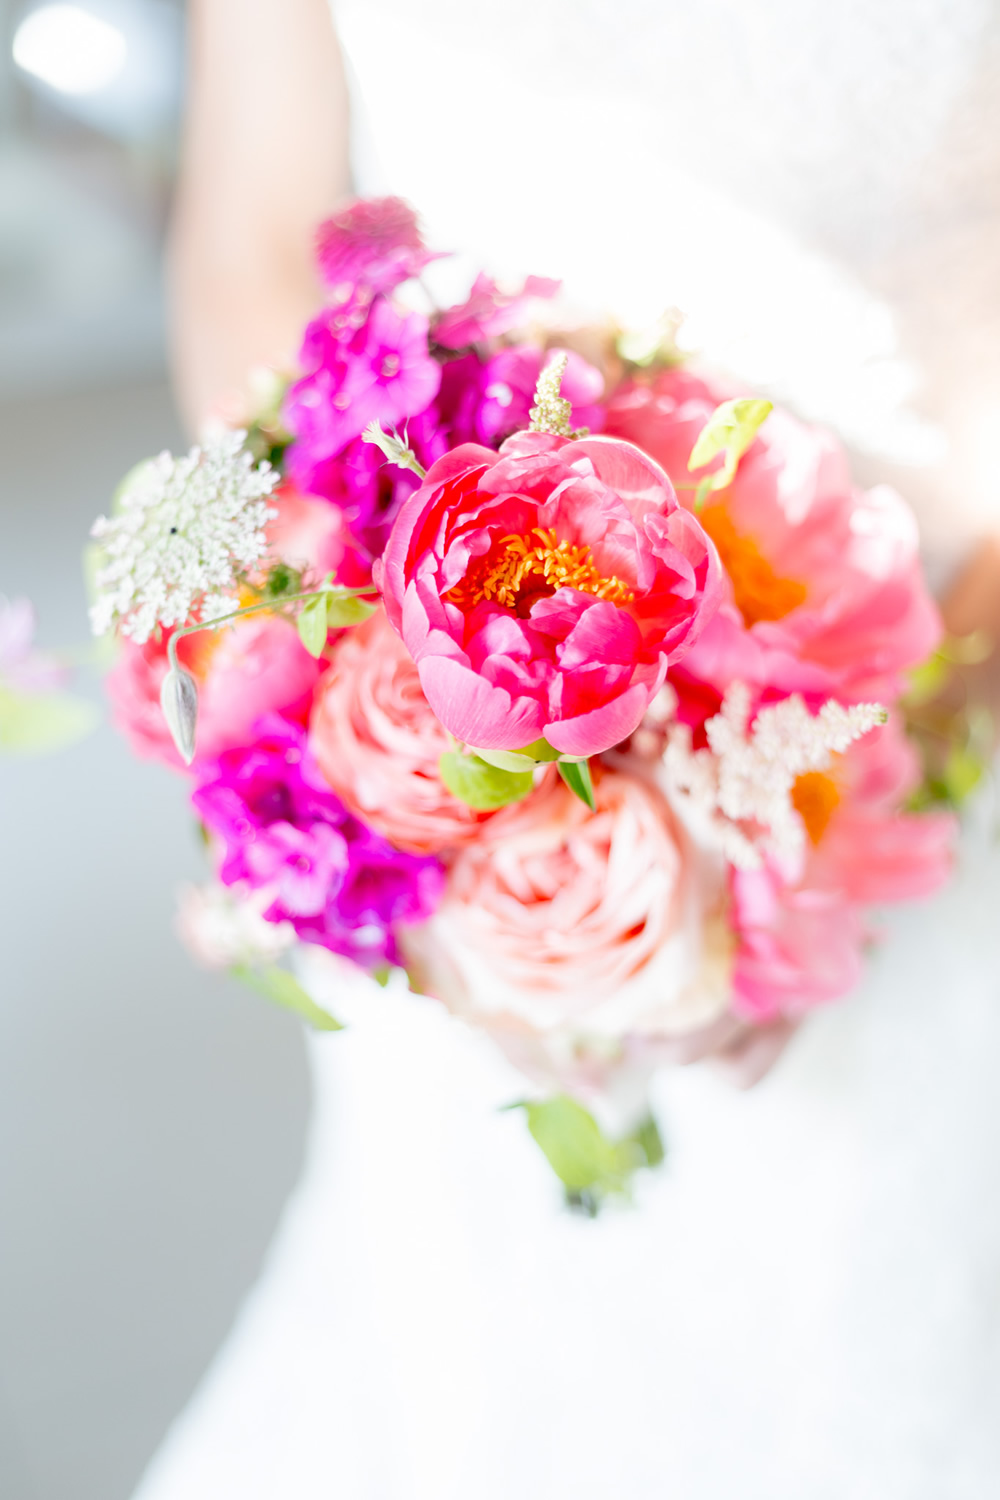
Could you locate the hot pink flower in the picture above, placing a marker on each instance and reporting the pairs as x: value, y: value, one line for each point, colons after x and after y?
x: 254, y: 667
x: 826, y: 594
x: 545, y: 590
x: 486, y: 401
x: 378, y: 743
x: 374, y: 243
x: 801, y: 939
x: 489, y: 311
x: 379, y: 372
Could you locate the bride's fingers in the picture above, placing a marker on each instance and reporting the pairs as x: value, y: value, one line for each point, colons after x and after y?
x: 750, y: 1057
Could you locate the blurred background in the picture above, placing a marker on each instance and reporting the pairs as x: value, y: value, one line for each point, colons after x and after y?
x: 151, y: 1116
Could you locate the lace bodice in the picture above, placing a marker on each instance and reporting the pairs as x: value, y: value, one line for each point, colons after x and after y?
x: 811, y: 184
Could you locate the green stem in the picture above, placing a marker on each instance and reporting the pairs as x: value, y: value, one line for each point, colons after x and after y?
x: 252, y: 609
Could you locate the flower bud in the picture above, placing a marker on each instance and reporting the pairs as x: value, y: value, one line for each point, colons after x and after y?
x: 179, y: 701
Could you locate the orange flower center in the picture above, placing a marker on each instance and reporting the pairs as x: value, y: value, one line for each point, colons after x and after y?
x: 520, y: 569
x: 815, y: 797
x: 760, y: 593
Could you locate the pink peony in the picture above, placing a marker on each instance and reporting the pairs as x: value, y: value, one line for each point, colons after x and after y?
x: 378, y: 743
x: 826, y: 594
x: 488, y: 311
x: 373, y: 243
x: 546, y: 590
x: 577, y: 929
x: 802, y: 937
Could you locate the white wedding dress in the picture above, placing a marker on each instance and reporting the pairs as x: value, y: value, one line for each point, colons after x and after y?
x: 805, y: 1303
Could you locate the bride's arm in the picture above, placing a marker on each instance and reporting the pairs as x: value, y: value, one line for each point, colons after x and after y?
x: 265, y: 157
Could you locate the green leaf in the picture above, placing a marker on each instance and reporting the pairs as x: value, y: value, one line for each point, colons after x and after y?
x: 577, y: 1150
x: 311, y: 624
x: 576, y: 774
x: 963, y: 770
x: 504, y: 760
x: 589, y: 1166
x: 482, y: 786
x: 282, y: 579
x: 649, y: 1142
x: 926, y: 681
x: 540, y: 750
x: 346, y: 609
x: 32, y: 724
x: 283, y: 989
x: 730, y: 430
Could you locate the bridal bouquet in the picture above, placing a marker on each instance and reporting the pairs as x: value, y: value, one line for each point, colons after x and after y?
x: 571, y: 691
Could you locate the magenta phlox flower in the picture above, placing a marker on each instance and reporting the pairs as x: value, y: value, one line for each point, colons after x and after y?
x: 485, y: 401
x: 282, y: 830
x: 366, y: 489
x: 380, y: 372
x: 370, y: 246
x: 21, y: 666
x: 488, y: 311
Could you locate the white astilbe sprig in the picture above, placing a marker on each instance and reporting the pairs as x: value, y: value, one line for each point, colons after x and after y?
x: 186, y: 531
x: 738, y: 791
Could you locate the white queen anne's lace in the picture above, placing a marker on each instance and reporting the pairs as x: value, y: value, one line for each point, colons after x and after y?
x: 739, y: 790
x: 187, y: 529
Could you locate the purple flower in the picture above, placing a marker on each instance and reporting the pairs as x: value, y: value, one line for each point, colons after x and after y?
x: 283, y: 831
x: 365, y: 488
x: 488, y: 311
x: 485, y: 401
x: 372, y: 244
x: 21, y: 666
x: 378, y: 372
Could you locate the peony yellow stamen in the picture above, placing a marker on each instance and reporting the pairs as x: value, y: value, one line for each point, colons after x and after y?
x: 527, y: 567
x: 815, y: 798
x: 760, y: 593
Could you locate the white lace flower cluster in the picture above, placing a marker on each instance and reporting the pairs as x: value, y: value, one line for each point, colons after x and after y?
x: 738, y: 791
x: 186, y: 530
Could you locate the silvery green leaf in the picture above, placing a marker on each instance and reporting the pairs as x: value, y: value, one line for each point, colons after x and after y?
x: 396, y: 450
x: 179, y: 701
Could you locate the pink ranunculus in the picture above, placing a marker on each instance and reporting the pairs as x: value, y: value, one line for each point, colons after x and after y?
x: 574, y: 930
x: 252, y: 668
x: 826, y: 593
x: 373, y: 243
x: 488, y: 311
x: 378, y: 744
x: 545, y: 591
x: 379, y: 372
x: 801, y: 938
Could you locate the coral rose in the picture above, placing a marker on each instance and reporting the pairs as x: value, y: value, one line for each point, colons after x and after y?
x: 826, y: 594
x: 564, y: 927
x: 378, y: 743
x: 545, y: 591
x: 802, y: 934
